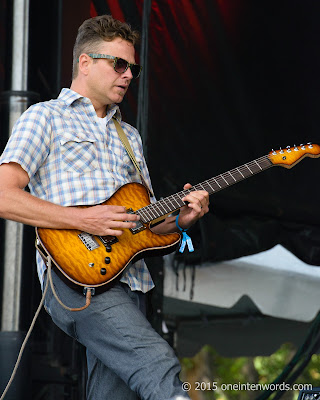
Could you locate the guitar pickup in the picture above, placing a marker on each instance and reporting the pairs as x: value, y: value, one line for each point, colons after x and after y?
x: 139, y: 225
x: 108, y: 240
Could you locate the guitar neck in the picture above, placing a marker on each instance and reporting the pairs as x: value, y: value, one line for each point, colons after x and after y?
x: 174, y: 202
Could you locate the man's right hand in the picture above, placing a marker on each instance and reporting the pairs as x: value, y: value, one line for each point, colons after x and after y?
x: 105, y: 220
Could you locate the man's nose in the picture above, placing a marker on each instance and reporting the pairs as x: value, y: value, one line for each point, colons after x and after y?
x: 128, y: 74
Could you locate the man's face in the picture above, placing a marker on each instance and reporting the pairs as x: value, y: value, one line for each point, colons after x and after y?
x: 104, y: 84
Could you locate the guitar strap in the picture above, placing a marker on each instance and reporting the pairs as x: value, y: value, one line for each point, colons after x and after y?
x: 128, y: 148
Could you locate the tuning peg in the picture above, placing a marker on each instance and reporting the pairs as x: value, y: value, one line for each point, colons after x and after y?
x: 274, y: 152
x: 288, y: 149
x: 281, y: 151
x: 310, y: 145
x: 295, y: 148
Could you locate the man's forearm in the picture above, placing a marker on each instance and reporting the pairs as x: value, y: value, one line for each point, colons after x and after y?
x: 19, y: 205
x: 166, y: 226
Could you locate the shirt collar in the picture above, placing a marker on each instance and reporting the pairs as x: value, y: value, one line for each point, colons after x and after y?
x: 68, y: 96
x: 113, y: 110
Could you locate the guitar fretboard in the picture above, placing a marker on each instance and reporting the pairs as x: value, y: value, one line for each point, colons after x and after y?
x: 174, y: 202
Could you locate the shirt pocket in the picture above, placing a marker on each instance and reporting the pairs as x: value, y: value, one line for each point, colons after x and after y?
x: 78, y: 152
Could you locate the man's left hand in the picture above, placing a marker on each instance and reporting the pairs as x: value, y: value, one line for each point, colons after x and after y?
x: 197, y: 207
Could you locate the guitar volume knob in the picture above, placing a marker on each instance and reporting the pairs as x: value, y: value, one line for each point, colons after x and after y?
x: 107, y: 260
x: 103, y: 271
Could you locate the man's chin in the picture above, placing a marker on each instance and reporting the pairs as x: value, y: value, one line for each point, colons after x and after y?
x: 119, y: 99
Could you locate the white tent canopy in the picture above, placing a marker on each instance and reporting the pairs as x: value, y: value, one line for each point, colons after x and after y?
x: 266, y: 299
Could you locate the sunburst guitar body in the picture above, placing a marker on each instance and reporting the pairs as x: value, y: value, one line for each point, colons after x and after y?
x: 89, y: 260
x: 94, y: 261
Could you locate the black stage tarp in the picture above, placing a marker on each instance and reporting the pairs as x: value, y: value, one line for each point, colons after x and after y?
x: 229, y: 81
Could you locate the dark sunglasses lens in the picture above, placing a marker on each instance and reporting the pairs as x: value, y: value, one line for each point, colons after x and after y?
x: 135, y: 70
x: 121, y: 65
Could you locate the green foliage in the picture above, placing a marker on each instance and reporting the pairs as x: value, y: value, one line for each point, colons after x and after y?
x: 270, y: 367
x: 229, y: 373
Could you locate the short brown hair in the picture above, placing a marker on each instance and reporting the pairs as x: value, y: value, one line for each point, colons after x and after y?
x: 94, y: 31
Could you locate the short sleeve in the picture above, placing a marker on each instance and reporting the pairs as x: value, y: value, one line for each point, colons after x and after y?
x: 29, y: 142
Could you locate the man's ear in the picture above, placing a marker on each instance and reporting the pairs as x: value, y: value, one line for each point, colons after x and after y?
x: 84, y: 63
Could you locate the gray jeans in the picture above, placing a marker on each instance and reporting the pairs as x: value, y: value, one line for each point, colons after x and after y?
x: 126, y: 358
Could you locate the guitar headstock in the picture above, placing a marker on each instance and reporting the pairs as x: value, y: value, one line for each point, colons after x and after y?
x: 290, y: 156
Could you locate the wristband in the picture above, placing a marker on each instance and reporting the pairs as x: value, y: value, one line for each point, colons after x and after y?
x: 185, y: 240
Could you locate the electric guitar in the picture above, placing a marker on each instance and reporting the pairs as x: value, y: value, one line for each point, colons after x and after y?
x: 93, y: 261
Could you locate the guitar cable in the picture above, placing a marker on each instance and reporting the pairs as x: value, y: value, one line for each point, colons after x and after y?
x: 23, y: 346
x: 25, y: 342
x: 89, y: 292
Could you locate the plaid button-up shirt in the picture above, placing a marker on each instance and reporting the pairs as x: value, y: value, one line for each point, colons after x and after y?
x: 72, y: 159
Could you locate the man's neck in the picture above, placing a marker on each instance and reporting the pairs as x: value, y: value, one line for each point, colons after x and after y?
x: 101, y: 110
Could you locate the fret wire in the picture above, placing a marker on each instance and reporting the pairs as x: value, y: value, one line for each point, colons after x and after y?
x: 244, y: 167
x: 252, y: 163
x: 249, y: 168
x: 148, y: 215
x: 201, y: 186
x: 168, y: 199
x: 152, y: 213
x: 164, y: 206
x: 216, y: 182
x: 174, y: 200
x: 225, y: 180
x: 160, y: 208
x: 151, y: 210
x: 240, y: 173
x: 142, y: 213
x: 220, y: 185
x: 159, y: 205
x: 232, y: 176
x: 258, y: 165
x: 207, y: 184
x: 211, y: 186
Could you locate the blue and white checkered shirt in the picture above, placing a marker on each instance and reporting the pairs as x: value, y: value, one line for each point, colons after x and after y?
x: 72, y: 159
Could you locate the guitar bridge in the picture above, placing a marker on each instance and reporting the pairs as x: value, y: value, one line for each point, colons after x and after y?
x: 88, y: 240
x: 139, y: 225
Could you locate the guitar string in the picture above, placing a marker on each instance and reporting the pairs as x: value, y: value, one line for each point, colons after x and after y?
x: 154, y: 209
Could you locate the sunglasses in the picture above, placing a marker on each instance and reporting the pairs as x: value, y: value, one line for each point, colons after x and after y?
x: 120, y: 65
